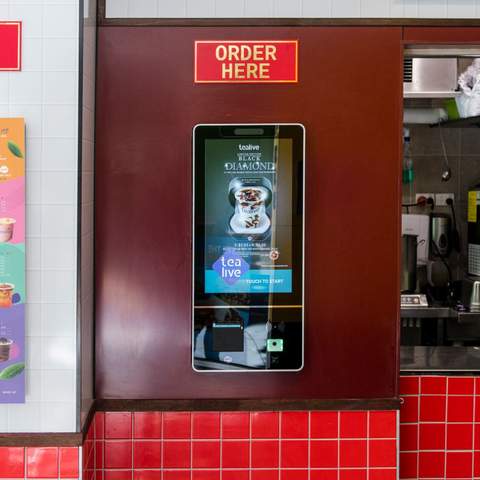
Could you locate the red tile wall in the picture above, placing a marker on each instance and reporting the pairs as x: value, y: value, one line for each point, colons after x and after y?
x: 440, y: 427
x: 39, y: 462
x: 310, y: 445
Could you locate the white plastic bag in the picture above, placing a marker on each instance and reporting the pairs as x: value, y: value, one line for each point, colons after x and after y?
x: 468, y: 103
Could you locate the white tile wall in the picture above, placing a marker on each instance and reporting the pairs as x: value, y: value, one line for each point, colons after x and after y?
x: 294, y: 8
x: 87, y: 227
x: 45, y: 92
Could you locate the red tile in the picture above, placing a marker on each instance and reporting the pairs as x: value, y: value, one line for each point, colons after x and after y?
x: 409, y: 410
x: 294, y: 454
x: 408, y: 437
x: 459, y: 465
x: 236, y: 475
x: 409, y: 385
x: 477, y: 406
x: 206, y: 454
x: 12, y: 462
x: 206, y: 425
x: 408, y: 465
x: 118, y: 454
x: 459, y: 436
x: 476, y: 464
x: 147, y: 424
x: 236, y: 425
x: 383, y: 424
x: 323, y: 474
x: 176, y: 475
x: 264, y: 474
x: 42, y: 462
x: 432, y: 436
x: 206, y: 475
x: 68, y: 462
x: 118, y: 425
x: 265, y: 424
x: 460, y: 385
x: 353, y: 424
x: 382, y: 474
x: 265, y: 454
x: 176, y: 454
x: 235, y: 454
x: 382, y: 453
x: 353, y: 453
x: 147, y: 474
x: 431, y: 464
x: 460, y: 409
x: 356, y: 474
x: 99, y: 421
x: 324, y: 453
x: 99, y: 454
x: 433, y: 385
x: 294, y: 424
x: 117, y: 475
x: 294, y: 474
x: 324, y: 424
x: 176, y: 425
x: 432, y: 409
x: 476, y: 436
x: 147, y: 454
x: 477, y: 385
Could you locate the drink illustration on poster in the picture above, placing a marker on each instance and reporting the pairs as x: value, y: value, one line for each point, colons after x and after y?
x: 12, y: 260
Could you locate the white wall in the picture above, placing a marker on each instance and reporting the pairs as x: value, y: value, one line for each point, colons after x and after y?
x: 45, y: 92
x: 295, y: 8
x: 87, y: 205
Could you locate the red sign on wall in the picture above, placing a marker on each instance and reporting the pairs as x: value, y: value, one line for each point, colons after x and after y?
x: 240, y: 61
x: 10, y: 46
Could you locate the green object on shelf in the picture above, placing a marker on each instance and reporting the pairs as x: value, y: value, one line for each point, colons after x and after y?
x: 407, y: 175
x: 451, y: 108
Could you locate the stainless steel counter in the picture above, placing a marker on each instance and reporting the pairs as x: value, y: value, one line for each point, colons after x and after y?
x: 439, y: 359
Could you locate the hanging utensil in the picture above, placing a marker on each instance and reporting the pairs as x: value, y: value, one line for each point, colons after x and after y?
x: 447, y: 172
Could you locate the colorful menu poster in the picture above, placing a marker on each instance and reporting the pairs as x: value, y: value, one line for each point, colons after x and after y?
x: 248, y: 216
x: 12, y: 260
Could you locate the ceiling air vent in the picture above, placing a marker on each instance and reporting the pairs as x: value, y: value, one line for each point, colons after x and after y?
x: 407, y: 70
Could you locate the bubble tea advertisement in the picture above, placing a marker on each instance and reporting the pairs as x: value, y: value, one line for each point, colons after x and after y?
x: 12, y: 260
x: 248, y: 223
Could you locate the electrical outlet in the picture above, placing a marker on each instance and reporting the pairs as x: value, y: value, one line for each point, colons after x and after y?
x: 441, y: 199
x: 425, y: 195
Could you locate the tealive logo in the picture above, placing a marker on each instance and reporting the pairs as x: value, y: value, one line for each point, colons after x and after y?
x: 249, y: 147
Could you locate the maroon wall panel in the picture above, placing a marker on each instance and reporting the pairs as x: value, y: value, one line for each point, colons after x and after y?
x: 441, y: 35
x: 349, y: 99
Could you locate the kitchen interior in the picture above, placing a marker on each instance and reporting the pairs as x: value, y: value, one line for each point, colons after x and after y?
x: 440, y: 264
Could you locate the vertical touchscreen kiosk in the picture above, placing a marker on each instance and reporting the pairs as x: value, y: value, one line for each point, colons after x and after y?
x: 248, y: 247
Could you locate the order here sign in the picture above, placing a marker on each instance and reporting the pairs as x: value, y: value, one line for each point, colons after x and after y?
x: 240, y: 61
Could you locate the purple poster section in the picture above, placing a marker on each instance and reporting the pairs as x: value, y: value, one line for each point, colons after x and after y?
x: 12, y: 260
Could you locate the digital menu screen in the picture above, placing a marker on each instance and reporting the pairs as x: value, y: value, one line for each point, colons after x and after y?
x: 248, y: 215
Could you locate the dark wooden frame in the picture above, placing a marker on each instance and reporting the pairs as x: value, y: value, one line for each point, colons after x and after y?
x: 102, y: 20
